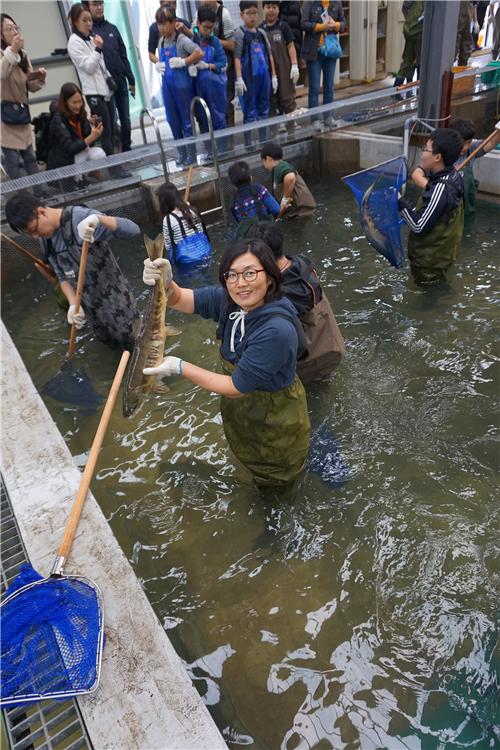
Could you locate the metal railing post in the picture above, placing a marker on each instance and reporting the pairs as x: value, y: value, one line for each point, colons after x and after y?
x: 215, y: 157
x: 156, y: 127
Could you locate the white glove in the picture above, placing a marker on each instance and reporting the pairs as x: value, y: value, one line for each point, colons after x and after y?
x: 240, y: 87
x: 77, y: 318
x: 86, y: 228
x: 193, y: 71
x: 153, y: 269
x: 477, y: 28
x: 202, y: 65
x: 285, y: 202
x: 294, y: 74
x: 274, y: 83
x: 160, y: 67
x: 177, y: 62
x: 169, y: 366
x: 497, y: 126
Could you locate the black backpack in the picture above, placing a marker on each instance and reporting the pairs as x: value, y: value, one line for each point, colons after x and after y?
x: 42, y: 126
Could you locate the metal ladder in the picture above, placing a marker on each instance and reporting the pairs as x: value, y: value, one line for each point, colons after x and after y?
x: 204, y: 105
x: 156, y: 126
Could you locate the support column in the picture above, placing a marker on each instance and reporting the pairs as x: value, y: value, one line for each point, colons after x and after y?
x: 438, y: 54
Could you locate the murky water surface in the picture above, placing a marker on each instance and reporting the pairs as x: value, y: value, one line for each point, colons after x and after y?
x: 358, y: 610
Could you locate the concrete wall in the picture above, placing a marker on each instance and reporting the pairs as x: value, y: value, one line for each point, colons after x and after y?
x: 145, y: 698
x: 350, y: 150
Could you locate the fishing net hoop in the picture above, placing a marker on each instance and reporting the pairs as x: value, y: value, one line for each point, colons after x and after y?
x: 24, y: 698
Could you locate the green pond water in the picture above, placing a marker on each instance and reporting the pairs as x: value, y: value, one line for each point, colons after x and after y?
x: 358, y: 610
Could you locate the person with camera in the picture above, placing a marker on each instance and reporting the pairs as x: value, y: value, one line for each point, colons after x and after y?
x: 86, y: 53
x: 117, y: 62
x: 18, y: 78
x: 71, y: 134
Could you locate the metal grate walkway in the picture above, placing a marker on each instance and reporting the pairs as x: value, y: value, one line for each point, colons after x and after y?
x: 47, y: 725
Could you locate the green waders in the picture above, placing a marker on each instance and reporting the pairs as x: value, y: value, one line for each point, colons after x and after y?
x: 268, y: 431
x: 432, y: 254
x: 470, y: 190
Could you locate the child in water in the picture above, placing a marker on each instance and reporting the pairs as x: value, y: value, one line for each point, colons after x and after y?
x: 252, y: 201
x: 467, y: 130
x: 184, y: 233
x: 296, y: 198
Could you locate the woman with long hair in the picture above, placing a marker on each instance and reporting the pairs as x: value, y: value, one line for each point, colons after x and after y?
x: 71, y: 135
x: 18, y: 77
x: 263, y: 403
x: 86, y: 55
x: 185, y: 236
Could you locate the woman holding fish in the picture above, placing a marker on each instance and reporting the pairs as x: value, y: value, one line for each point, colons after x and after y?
x: 263, y: 403
x: 107, y: 302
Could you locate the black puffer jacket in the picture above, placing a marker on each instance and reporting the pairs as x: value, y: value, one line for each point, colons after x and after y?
x: 290, y: 13
x: 64, y: 141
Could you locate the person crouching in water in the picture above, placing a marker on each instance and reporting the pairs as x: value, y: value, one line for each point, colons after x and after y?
x: 178, y: 56
x: 107, y: 300
x: 301, y: 285
x: 437, y: 222
x: 184, y: 232
x: 263, y: 402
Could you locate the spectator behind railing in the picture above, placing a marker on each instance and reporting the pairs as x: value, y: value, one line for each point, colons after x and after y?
x: 18, y: 77
x: 71, y: 135
x: 154, y: 33
x: 98, y: 85
x: 117, y: 62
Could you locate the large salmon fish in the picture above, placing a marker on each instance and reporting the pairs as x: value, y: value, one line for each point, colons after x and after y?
x: 149, y: 340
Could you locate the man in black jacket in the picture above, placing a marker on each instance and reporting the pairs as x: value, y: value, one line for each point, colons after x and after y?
x: 118, y: 65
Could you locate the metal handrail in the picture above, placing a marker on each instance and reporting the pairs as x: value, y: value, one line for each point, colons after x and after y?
x: 154, y: 122
x: 204, y: 105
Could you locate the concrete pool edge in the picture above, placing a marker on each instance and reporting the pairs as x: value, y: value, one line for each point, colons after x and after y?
x: 145, y: 698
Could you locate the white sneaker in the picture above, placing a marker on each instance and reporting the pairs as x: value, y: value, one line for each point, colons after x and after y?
x: 317, y: 127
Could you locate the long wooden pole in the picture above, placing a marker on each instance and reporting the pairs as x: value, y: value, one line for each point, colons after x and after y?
x: 88, y: 472
x: 188, y: 183
x: 478, y: 148
x: 37, y: 261
x: 79, y: 292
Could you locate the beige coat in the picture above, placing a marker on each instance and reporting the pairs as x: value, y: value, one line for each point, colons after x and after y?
x: 14, y: 82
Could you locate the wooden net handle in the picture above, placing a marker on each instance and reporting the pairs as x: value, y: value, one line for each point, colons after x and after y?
x: 36, y: 261
x: 478, y: 148
x: 88, y: 472
x: 79, y: 292
x: 188, y: 183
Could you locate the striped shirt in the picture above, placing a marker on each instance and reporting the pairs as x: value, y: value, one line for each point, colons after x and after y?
x: 443, y: 194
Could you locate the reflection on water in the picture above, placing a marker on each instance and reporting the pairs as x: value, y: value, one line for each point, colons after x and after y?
x: 358, y: 609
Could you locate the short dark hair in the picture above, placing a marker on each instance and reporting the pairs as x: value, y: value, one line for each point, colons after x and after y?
x: 276, y: 2
x: 164, y: 15
x: 206, y: 14
x: 269, y: 233
x: 466, y: 128
x: 239, y: 173
x: 448, y: 143
x: 246, y: 4
x: 21, y: 209
x: 264, y: 255
x: 271, y: 149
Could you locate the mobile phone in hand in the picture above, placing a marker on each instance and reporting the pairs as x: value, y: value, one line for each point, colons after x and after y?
x: 325, y: 16
x: 35, y: 75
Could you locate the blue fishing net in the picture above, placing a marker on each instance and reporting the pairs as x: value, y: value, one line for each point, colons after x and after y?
x: 376, y: 191
x: 51, y: 638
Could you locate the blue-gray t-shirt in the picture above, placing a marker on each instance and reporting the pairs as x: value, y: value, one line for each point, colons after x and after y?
x: 264, y: 340
x: 125, y: 228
